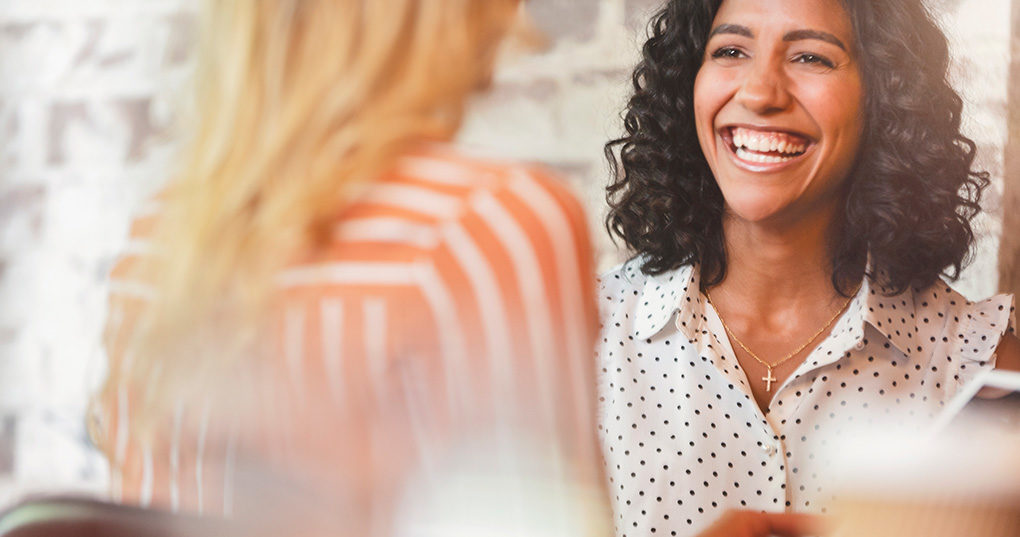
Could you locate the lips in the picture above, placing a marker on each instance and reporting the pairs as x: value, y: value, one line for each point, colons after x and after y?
x: 762, y: 147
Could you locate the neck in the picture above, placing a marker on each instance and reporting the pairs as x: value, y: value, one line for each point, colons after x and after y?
x: 770, y: 265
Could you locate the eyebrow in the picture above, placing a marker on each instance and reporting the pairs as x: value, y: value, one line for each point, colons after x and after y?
x: 795, y: 35
x: 798, y: 35
x: 731, y: 29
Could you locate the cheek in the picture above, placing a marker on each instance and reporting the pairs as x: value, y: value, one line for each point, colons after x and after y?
x: 850, y: 120
x: 700, y: 96
x: 840, y: 108
x: 709, y: 97
x: 837, y: 110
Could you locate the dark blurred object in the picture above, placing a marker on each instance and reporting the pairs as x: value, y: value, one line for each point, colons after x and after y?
x: 77, y: 517
x: 8, y: 439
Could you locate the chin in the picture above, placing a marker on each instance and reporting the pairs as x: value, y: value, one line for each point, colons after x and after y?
x: 756, y: 215
x: 754, y: 207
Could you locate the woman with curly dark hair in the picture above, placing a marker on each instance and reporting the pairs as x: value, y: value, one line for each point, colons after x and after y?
x: 794, y: 185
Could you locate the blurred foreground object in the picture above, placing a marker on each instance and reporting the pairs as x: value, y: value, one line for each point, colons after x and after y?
x: 79, y: 517
x: 961, y: 480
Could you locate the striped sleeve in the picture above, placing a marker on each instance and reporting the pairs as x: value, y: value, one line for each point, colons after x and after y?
x: 480, y: 322
x: 518, y: 264
x: 181, y: 465
x: 516, y: 272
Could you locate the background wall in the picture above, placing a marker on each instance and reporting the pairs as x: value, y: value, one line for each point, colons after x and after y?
x: 86, y: 93
x: 1009, y: 251
x: 82, y: 140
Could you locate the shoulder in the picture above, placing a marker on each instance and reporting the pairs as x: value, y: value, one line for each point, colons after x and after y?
x: 975, y: 328
x: 628, y: 279
x: 619, y: 293
x: 436, y: 194
x: 641, y: 304
x: 533, y: 190
x: 621, y: 285
x: 440, y: 187
x: 471, y: 173
x: 472, y: 223
x: 1008, y: 353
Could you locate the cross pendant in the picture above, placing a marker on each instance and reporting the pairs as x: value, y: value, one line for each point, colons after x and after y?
x: 769, y: 379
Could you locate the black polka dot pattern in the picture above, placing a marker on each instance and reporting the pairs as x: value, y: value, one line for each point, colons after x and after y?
x: 682, y: 436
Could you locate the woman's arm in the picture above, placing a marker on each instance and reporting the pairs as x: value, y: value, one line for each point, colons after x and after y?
x: 1007, y: 359
x: 1008, y: 353
x: 755, y: 524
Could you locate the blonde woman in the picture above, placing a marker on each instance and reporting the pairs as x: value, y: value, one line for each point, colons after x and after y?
x: 329, y: 296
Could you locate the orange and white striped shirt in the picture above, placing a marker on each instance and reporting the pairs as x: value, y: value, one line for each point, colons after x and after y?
x: 446, y: 328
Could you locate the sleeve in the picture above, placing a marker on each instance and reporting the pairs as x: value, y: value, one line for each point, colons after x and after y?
x: 127, y: 301
x: 518, y: 266
x: 608, y: 291
x: 176, y: 464
x: 979, y: 330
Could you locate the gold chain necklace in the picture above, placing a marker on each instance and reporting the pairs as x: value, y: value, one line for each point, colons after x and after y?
x: 769, y: 379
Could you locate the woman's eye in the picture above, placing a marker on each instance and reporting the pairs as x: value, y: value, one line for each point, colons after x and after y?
x: 728, y: 53
x: 813, y: 59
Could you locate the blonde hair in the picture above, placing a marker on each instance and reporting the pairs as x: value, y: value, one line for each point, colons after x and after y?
x: 297, y: 103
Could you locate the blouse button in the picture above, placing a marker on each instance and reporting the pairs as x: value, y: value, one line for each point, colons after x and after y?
x: 769, y: 450
x: 859, y: 346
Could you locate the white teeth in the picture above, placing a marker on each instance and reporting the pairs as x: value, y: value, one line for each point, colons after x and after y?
x: 765, y: 143
x: 747, y: 155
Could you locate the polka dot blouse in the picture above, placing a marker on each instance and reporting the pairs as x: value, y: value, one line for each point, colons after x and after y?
x: 682, y: 436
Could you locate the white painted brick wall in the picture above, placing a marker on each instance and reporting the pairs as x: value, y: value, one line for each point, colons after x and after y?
x: 85, y: 93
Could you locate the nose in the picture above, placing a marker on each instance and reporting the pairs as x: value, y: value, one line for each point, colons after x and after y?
x: 764, y: 89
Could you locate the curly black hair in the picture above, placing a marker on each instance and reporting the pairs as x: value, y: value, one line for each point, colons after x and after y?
x: 908, y: 202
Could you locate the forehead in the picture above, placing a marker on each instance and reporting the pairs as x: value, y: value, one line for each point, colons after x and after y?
x: 762, y: 16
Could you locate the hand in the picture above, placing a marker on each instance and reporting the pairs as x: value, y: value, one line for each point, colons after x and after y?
x: 756, y: 524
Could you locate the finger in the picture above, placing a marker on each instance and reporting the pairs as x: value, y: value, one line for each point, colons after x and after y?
x: 795, y: 524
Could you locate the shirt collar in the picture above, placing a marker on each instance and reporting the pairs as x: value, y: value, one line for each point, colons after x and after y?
x: 892, y: 316
x: 677, y: 292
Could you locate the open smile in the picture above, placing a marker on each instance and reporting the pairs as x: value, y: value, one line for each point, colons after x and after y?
x: 762, y: 150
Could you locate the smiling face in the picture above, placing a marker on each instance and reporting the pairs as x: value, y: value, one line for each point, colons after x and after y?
x: 778, y: 106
